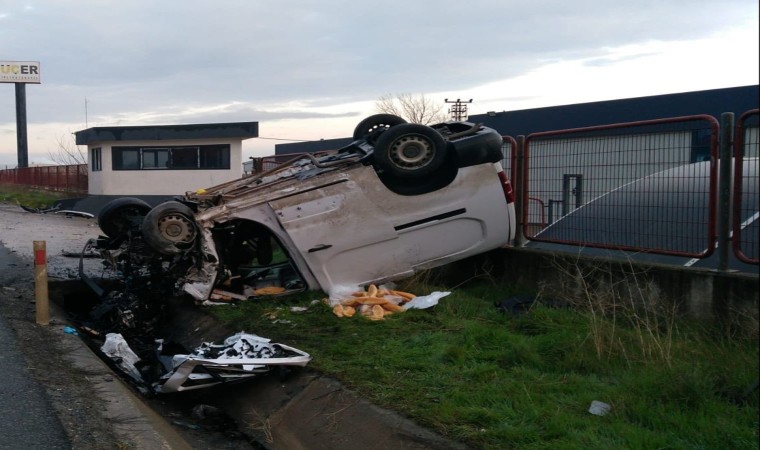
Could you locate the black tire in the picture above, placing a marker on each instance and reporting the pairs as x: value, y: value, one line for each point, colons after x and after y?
x: 370, y: 128
x: 410, y: 150
x: 170, y: 228
x: 121, y: 215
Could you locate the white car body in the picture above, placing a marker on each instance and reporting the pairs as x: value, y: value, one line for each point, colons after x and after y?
x: 399, y: 199
x: 345, y: 227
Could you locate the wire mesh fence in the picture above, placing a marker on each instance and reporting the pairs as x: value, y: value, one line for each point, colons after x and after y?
x: 746, y: 192
x: 644, y: 186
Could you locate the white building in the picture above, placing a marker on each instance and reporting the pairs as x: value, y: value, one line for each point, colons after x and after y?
x: 163, y: 159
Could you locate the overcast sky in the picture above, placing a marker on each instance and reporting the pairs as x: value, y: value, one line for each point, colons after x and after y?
x: 312, y: 69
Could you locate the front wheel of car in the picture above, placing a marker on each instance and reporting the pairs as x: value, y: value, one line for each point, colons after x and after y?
x: 121, y: 215
x: 170, y: 228
x: 410, y: 150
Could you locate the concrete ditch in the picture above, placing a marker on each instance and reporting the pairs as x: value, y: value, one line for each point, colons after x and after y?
x: 306, y: 410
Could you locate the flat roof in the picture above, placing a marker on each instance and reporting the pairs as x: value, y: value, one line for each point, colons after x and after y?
x: 713, y: 102
x: 241, y: 130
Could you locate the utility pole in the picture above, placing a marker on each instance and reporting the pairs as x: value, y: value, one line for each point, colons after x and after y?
x: 459, y: 109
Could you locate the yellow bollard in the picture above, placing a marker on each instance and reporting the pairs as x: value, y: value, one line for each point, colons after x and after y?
x: 41, y: 284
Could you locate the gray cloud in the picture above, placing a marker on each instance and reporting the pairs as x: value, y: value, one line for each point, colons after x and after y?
x: 168, y: 57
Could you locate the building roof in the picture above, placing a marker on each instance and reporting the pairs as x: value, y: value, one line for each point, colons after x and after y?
x: 241, y: 130
x: 311, y: 146
x: 712, y: 102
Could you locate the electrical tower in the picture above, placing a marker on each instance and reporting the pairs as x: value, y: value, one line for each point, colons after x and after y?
x: 459, y: 109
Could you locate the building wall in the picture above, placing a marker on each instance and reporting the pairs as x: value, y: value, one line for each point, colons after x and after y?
x: 160, y: 182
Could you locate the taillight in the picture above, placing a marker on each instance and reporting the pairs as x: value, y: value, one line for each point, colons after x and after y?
x: 509, y: 194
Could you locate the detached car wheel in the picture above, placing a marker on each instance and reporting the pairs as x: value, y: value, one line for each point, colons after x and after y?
x: 121, y: 215
x: 169, y: 228
x: 410, y: 150
x: 370, y: 128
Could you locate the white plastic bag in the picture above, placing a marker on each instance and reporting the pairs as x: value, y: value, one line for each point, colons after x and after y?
x: 116, y: 348
x: 425, y: 301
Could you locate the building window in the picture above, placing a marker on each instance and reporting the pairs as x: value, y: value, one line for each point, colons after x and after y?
x: 96, y: 164
x: 155, y: 158
x: 215, y: 157
x: 203, y: 157
x: 185, y: 158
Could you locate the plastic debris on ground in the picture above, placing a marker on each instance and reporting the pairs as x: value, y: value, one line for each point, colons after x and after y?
x: 598, y: 408
x: 517, y: 304
x: 241, y: 356
x: 116, y: 348
x: 376, y: 303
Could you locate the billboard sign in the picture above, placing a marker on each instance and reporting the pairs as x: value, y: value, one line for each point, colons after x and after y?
x: 20, y: 72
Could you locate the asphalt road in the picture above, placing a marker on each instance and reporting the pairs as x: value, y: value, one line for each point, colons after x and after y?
x: 27, y: 417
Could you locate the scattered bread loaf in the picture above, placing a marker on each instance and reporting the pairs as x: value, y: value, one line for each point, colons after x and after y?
x: 374, y: 303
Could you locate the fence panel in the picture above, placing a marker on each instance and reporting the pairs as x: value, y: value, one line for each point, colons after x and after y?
x: 746, y: 201
x: 71, y: 178
x: 646, y: 186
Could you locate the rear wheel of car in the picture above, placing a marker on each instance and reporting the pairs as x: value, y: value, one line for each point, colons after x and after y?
x: 170, y: 228
x: 121, y: 215
x: 370, y: 128
x: 410, y: 150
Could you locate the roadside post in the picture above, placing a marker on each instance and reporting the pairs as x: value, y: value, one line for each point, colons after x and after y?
x: 41, y: 299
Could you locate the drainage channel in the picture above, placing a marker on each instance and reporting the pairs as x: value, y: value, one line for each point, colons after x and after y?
x: 293, y: 408
x: 199, y: 417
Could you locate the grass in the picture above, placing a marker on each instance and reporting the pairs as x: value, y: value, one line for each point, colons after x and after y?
x: 30, y: 197
x: 493, y: 380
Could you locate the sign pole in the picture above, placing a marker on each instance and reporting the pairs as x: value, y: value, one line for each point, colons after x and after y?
x: 20, y: 73
x: 21, y: 140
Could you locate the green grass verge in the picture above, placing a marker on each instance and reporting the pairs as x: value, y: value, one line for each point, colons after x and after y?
x: 493, y: 380
x: 30, y: 197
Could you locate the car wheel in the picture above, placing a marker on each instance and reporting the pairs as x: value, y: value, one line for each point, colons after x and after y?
x: 122, y: 214
x: 371, y: 127
x: 410, y: 150
x: 170, y: 228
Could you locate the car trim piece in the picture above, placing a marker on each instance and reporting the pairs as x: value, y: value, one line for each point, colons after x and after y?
x: 319, y: 247
x: 446, y: 215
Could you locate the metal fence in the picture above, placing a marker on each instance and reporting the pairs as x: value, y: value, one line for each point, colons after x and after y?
x: 644, y: 187
x: 746, y: 191
x: 71, y: 178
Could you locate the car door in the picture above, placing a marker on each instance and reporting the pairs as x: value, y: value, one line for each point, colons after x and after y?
x: 342, y: 235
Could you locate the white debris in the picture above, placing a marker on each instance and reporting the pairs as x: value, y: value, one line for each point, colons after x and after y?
x: 241, y: 356
x: 598, y: 408
x: 425, y: 301
x: 116, y: 348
